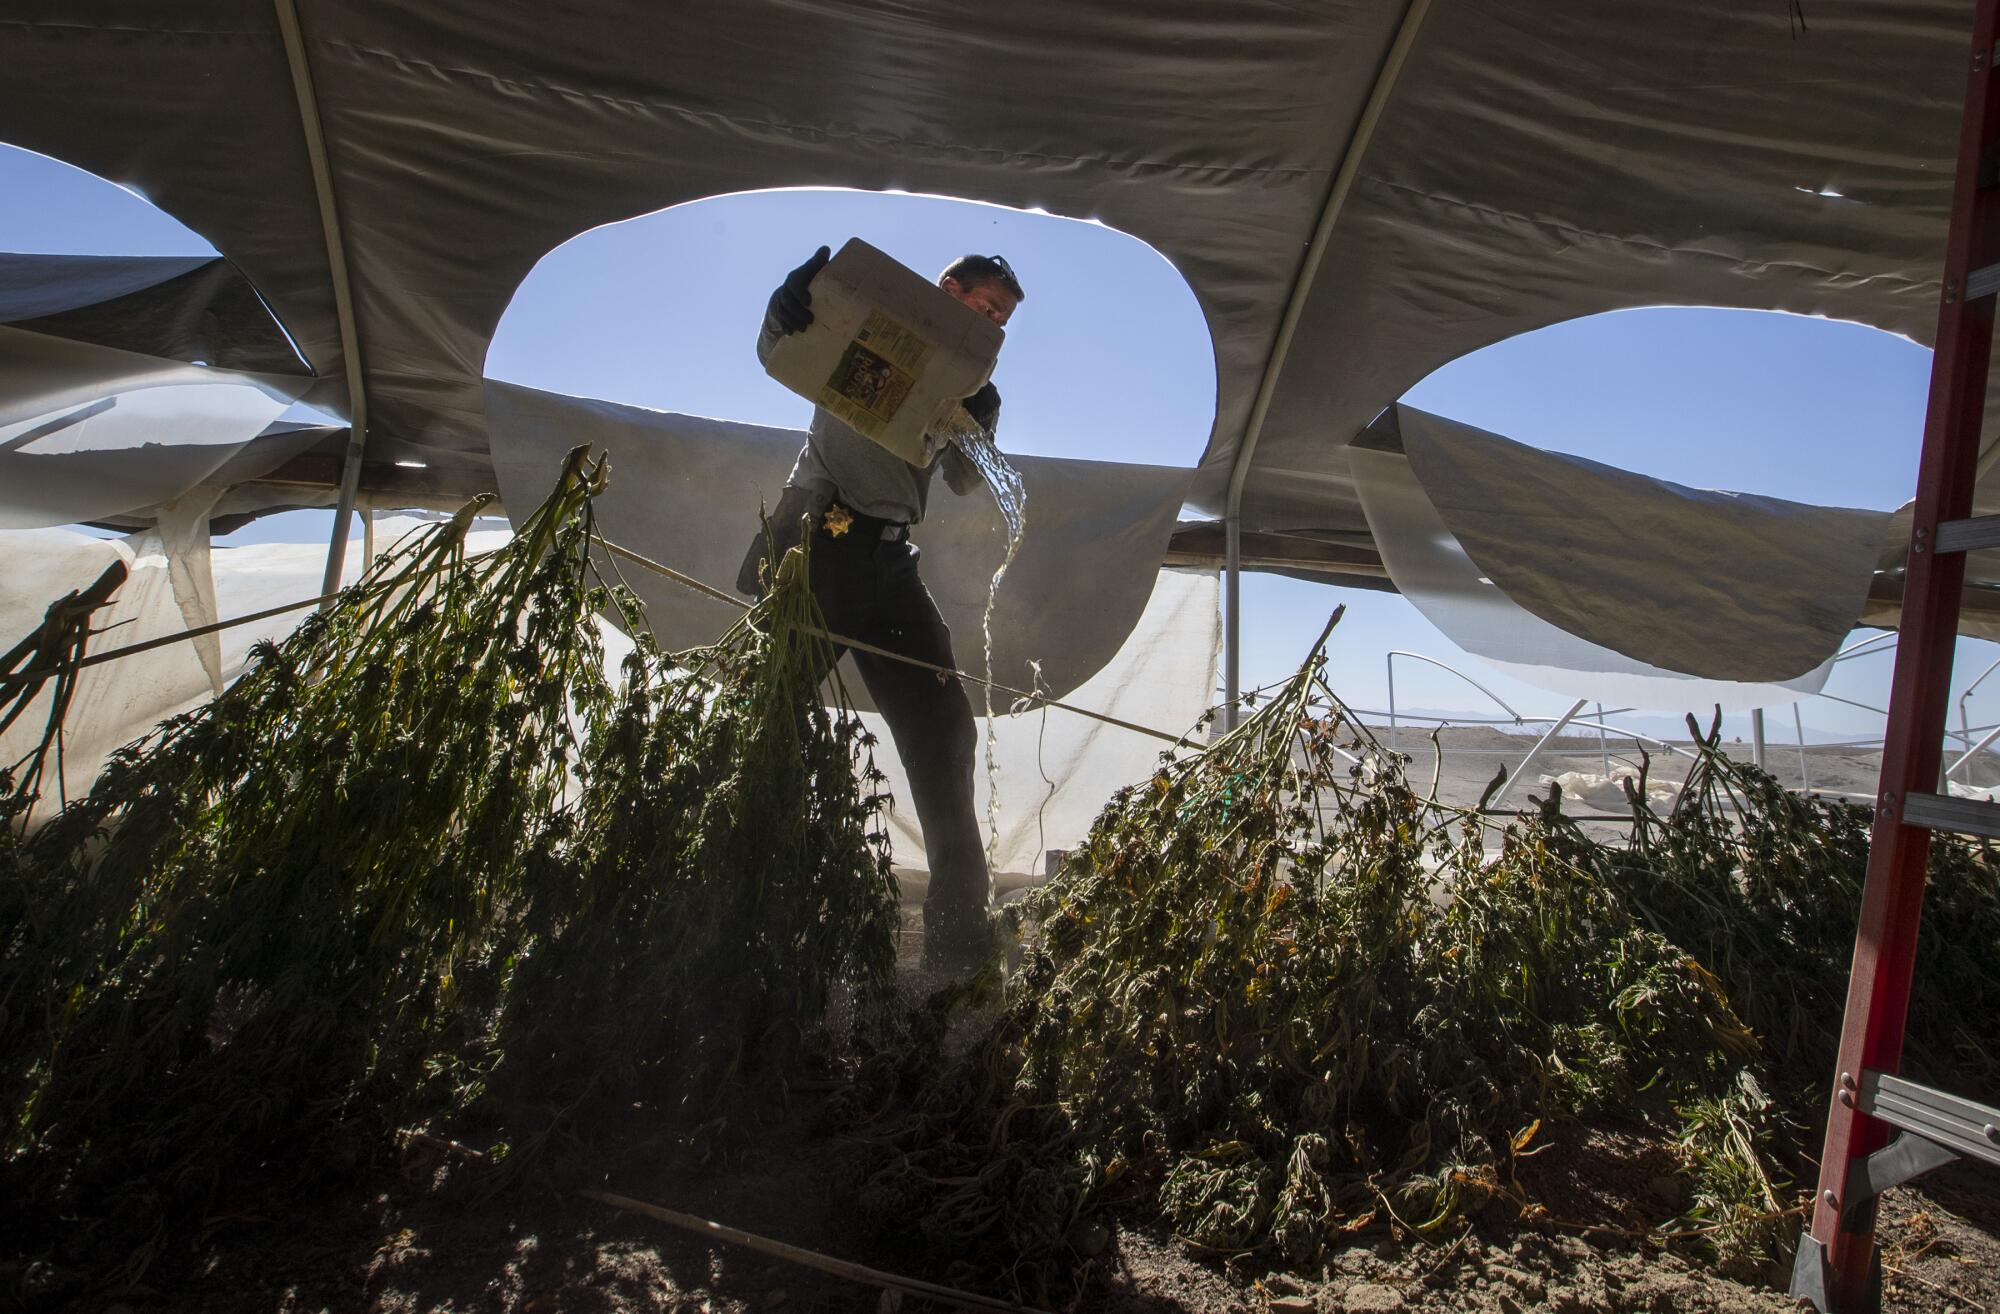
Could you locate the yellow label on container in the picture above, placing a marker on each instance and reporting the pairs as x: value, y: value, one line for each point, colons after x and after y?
x: 875, y: 374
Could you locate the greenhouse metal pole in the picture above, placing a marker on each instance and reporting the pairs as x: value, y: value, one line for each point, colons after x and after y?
x: 1838, y: 1266
x: 1548, y: 737
x: 1232, y: 591
x: 343, y: 290
x: 1274, y: 364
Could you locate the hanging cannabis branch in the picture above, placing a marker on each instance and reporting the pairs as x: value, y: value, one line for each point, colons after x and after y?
x: 430, y: 864
x: 428, y: 859
x: 1279, y: 995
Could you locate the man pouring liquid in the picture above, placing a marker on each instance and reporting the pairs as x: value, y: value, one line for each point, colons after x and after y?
x: 859, y: 500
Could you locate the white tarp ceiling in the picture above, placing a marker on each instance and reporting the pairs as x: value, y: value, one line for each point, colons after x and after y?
x: 1532, y: 163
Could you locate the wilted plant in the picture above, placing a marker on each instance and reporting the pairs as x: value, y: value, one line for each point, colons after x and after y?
x: 1279, y: 995
x: 427, y: 859
x: 1763, y: 885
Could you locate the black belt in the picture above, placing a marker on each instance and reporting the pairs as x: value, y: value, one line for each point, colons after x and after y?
x: 838, y: 522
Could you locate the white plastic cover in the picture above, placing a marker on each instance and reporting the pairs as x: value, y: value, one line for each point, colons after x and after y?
x: 1056, y: 769
x: 89, y: 432
x: 685, y: 491
x: 1432, y: 569
x: 1727, y: 586
x: 119, y: 701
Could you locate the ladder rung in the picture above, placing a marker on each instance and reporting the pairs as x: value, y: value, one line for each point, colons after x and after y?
x: 1968, y: 535
x: 1982, y: 282
x: 1972, y: 1130
x: 1967, y: 816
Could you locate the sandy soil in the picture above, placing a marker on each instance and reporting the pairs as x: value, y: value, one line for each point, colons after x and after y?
x: 410, y: 1234
x: 399, y: 1240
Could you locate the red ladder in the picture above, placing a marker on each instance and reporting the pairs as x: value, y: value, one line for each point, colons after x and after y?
x: 1882, y: 1130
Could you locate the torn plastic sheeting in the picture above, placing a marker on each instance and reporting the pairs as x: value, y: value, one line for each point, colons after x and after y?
x: 1057, y: 770
x: 1433, y: 571
x: 183, y: 532
x: 89, y: 432
x: 183, y: 308
x: 1725, y: 586
x: 33, y: 285
x: 686, y: 491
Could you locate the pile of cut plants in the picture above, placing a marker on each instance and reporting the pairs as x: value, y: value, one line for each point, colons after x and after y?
x: 1283, y: 998
x: 429, y: 868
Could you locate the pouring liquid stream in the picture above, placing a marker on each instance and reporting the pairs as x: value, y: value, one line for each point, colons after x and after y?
x: 1011, y: 495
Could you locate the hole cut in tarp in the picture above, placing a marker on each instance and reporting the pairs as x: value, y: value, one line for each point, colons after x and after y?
x: 1799, y: 419
x: 640, y: 338
x: 57, y: 208
x: 135, y: 363
x: 1813, y: 410
x: 91, y: 261
x: 1108, y: 358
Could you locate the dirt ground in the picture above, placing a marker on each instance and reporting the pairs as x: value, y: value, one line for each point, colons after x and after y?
x: 407, y: 1236
x: 394, y: 1242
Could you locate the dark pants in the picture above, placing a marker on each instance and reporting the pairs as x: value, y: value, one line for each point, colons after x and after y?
x: 869, y: 591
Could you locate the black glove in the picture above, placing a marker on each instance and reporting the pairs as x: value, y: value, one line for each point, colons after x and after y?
x: 984, y: 406
x: 791, y: 304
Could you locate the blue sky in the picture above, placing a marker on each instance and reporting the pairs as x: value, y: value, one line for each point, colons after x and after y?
x: 1109, y: 359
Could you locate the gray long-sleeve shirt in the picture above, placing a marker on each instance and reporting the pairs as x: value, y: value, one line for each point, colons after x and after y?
x: 840, y: 463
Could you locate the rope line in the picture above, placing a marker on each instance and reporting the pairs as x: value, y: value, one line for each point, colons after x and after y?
x: 131, y: 649
x: 1031, y: 699
x: 214, y: 627
x: 1024, y: 700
